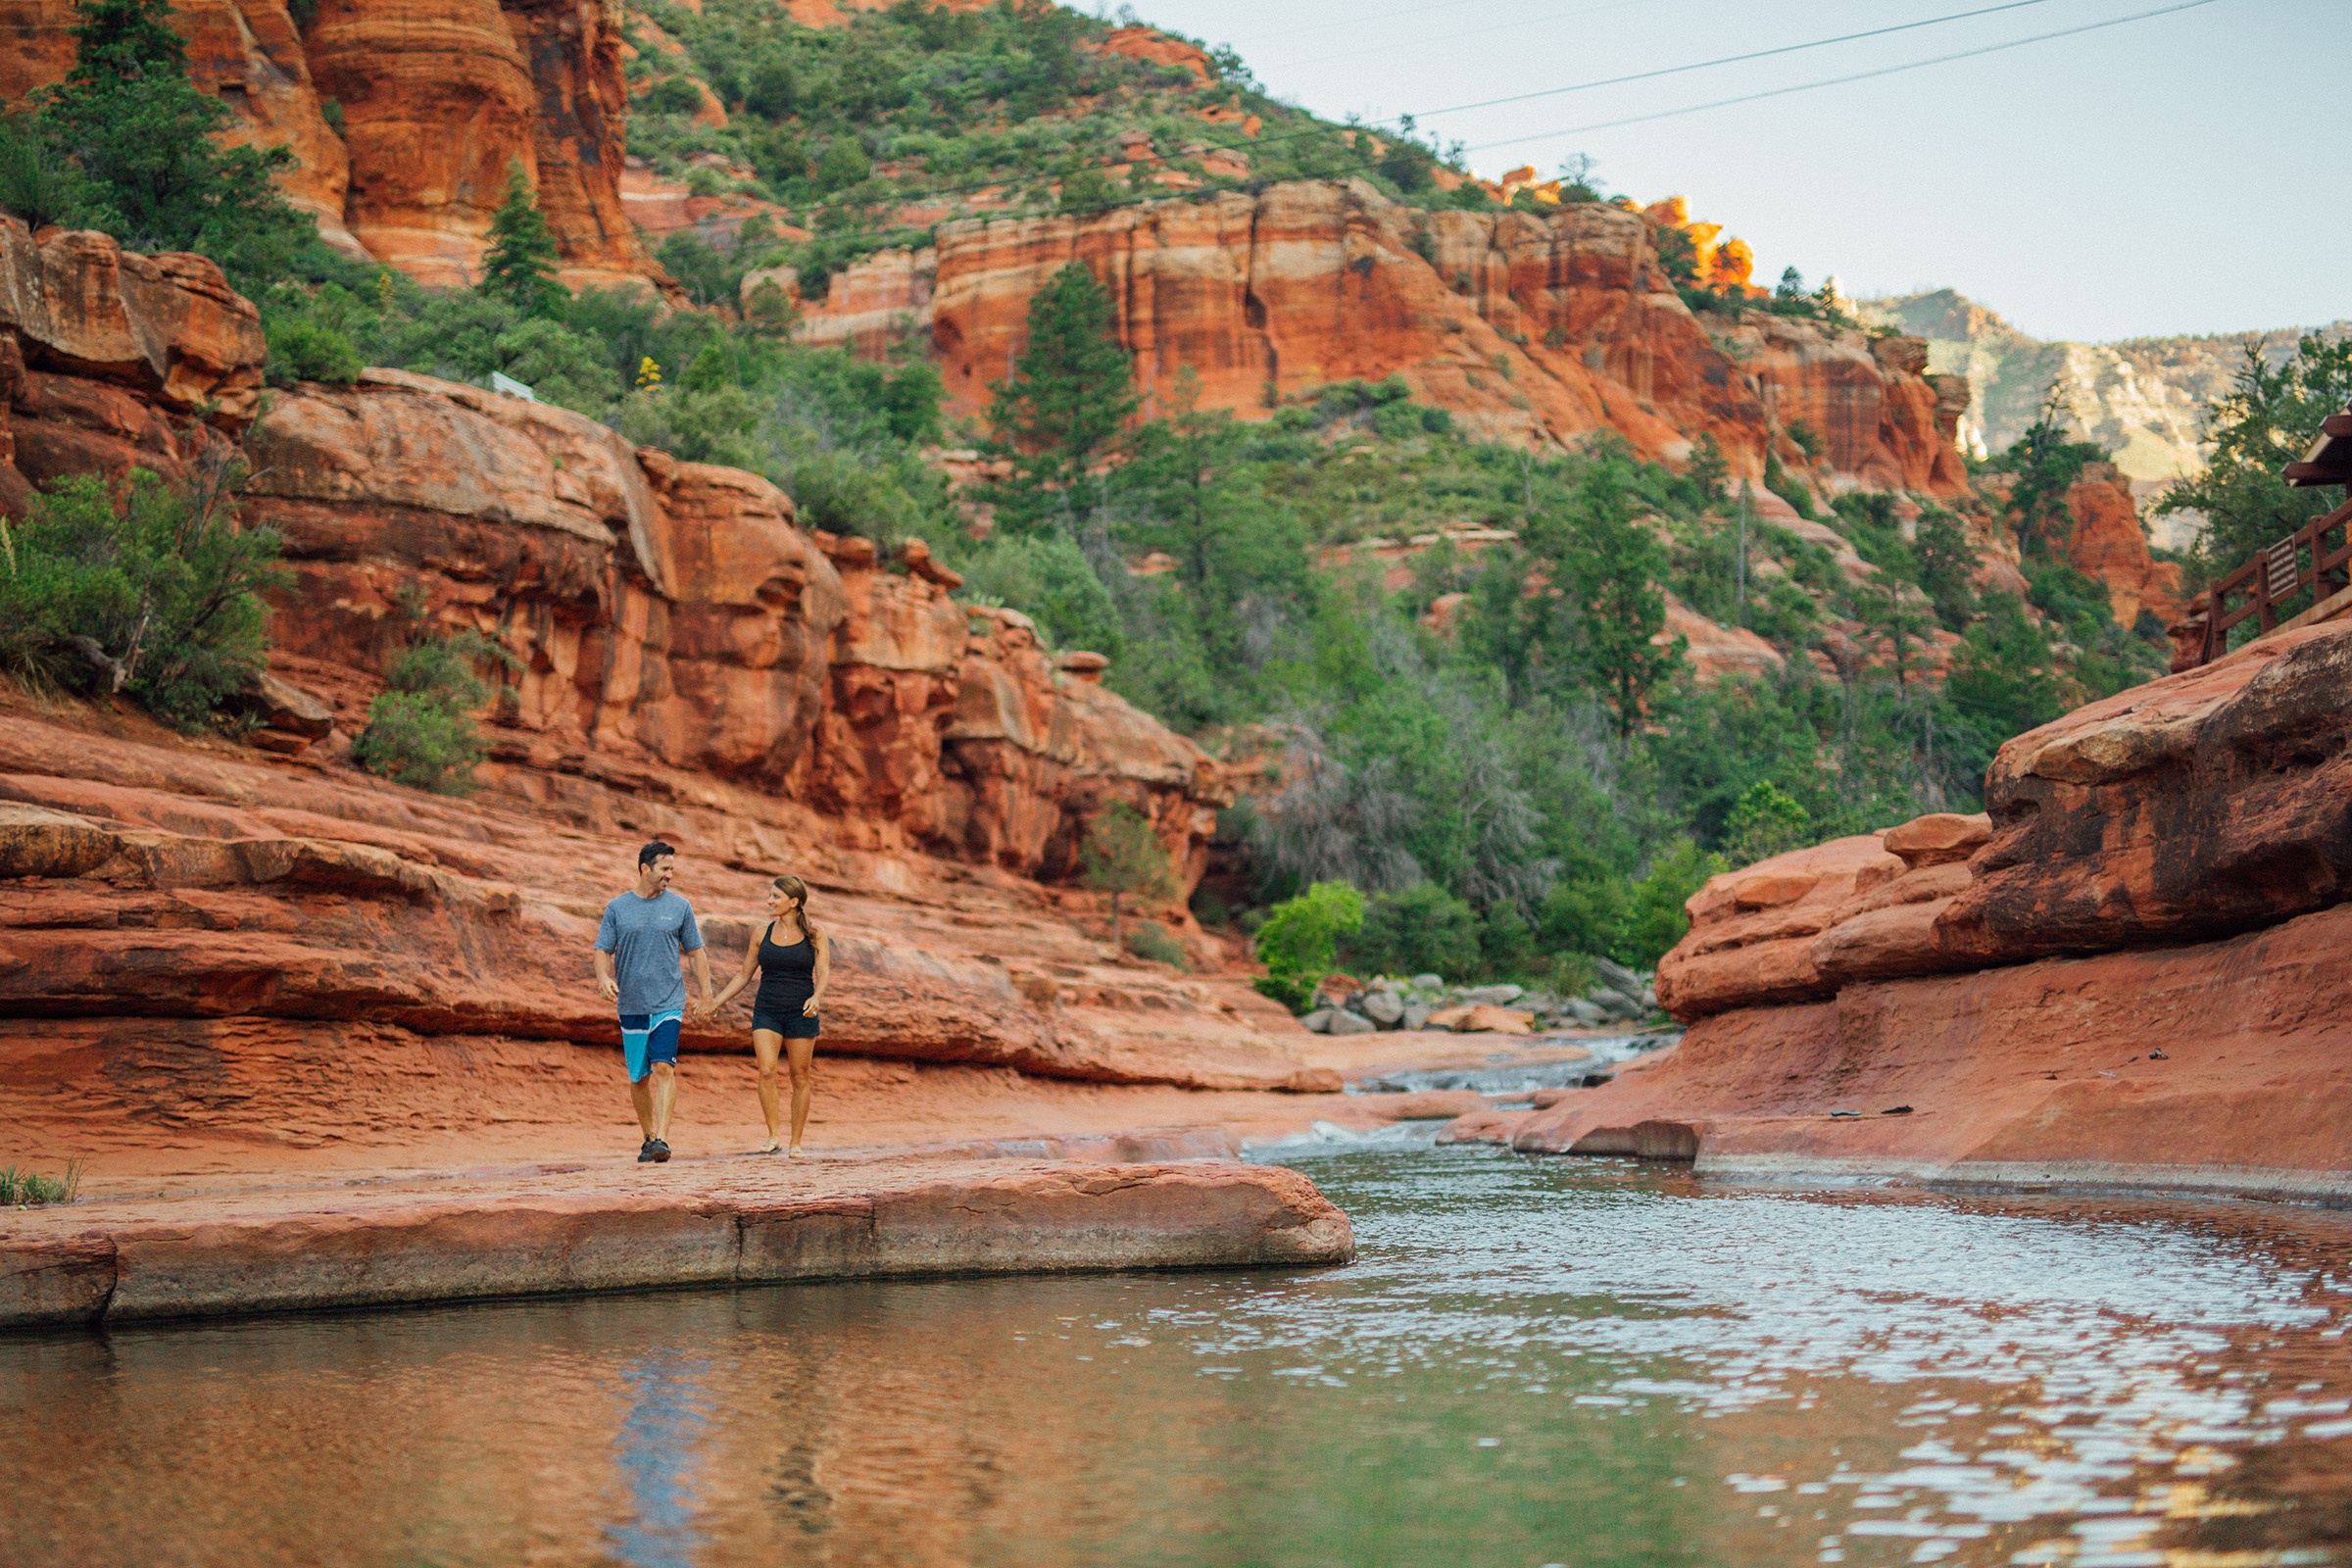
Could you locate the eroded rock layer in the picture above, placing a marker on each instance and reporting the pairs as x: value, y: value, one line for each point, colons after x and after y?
x: 2129, y: 971
x: 1525, y: 326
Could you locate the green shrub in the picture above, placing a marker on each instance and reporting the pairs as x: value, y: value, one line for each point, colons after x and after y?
x: 1654, y: 920
x: 421, y: 732
x: 1158, y: 945
x: 310, y: 350
x: 1299, y: 941
x: 1764, y: 822
x: 155, y: 598
x: 1422, y: 930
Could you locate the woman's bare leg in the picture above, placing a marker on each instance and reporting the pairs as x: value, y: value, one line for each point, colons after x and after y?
x: 803, y: 1078
x: 764, y: 1044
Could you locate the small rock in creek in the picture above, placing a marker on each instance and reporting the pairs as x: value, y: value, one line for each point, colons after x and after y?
x: 1617, y: 977
x: 1586, y: 1013
x: 1344, y: 1022
x: 1490, y: 995
x: 1384, y: 1008
x: 1319, y: 1020
x: 1487, y: 1018
x: 1617, y: 1004
x: 1429, y: 982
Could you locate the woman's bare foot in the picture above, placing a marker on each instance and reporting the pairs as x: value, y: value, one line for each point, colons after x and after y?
x: 772, y: 1148
x: 796, y: 1152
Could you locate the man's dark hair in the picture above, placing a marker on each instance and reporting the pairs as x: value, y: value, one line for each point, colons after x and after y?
x: 652, y: 851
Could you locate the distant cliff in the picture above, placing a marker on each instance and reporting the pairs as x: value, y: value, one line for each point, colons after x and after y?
x: 2141, y: 398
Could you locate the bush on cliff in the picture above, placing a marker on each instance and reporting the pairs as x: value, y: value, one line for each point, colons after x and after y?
x: 155, y: 597
x: 422, y: 733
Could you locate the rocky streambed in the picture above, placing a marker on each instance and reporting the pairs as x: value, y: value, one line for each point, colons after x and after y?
x: 1530, y: 1361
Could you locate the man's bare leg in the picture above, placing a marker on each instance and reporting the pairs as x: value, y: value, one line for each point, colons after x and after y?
x: 664, y: 1098
x: 641, y: 1095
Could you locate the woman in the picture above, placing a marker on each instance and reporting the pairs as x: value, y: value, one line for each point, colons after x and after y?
x: 792, y: 959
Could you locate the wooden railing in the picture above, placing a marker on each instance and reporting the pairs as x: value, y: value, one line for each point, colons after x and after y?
x: 2302, y: 560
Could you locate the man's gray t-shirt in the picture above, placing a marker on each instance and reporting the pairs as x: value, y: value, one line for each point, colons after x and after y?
x: 645, y: 937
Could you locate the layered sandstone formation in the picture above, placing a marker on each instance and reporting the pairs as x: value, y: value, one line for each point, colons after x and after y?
x: 1527, y: 328
x: 2129, y: 973
x: 110, y: 360
x: 220, y: 946
x: 433, y: 100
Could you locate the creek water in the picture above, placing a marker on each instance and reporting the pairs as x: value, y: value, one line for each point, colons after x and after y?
x: 1554, y: 1361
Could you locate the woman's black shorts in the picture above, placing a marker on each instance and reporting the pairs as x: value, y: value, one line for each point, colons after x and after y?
x: 793, y: 1025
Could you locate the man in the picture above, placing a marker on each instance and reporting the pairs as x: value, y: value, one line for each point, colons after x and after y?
x: 638, y: 946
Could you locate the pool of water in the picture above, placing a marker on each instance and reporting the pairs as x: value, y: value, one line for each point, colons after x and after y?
x: 1535, y: 1362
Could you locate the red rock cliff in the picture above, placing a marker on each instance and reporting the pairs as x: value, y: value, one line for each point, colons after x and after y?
x: 1526, y: 328
x: 2131, y: 972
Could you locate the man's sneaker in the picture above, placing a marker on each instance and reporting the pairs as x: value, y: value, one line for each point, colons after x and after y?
x: 645, y: 1155
x: 657, y: 1150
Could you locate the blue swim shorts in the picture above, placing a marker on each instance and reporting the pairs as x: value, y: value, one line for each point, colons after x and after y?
x: 647, y: 1038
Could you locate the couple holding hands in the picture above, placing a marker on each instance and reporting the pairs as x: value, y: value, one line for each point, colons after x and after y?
x: 647, y: 932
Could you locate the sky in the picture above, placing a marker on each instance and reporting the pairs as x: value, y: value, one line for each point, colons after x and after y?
x: 2180, y: 173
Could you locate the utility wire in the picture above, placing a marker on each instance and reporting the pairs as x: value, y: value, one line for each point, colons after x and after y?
x: 1365, y: 165
x: 1733, y: 60
x: 1839, y: 81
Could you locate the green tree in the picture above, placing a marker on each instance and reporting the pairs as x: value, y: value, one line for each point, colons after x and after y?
x: 1122, y: 855
x: 2267, y: 419
x: 1767, y: 821
x: 155, y: 598
x: 2045, y: 465
x: 1610, y: 563
x: 1299, y: 941
x: 143, y: 137
x: 1898, y: 616
x: 1947, y: 566
x: 519, y: 267
x: 1061, y: 410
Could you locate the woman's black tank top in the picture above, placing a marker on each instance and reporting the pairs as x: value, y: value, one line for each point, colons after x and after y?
x: 787, y: 974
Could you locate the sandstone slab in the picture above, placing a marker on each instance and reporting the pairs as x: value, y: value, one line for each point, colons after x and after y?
x: 632, y: 1228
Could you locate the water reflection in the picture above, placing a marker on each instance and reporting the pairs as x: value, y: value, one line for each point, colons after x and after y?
x: 1569, y: 1362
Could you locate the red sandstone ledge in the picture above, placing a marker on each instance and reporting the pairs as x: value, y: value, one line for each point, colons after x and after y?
x: 717, y: 1222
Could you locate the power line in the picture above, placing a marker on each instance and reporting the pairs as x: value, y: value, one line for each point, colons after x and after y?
x: 1733, y: 60
x: 1364, y: 164
x: 1836, y: 81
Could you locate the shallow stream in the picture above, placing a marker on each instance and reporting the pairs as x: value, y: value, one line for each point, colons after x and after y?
x: 1535, y: 1362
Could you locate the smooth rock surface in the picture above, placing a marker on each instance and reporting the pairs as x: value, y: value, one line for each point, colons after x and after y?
x: 742, y: 1221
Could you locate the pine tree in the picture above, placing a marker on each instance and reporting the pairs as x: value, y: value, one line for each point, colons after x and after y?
x: 519, y: 267
x: 1122, y: 855
x: 1063, y: 408
x: 142, y: 133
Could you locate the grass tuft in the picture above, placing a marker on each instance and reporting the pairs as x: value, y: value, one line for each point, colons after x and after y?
x: 29, y: 1189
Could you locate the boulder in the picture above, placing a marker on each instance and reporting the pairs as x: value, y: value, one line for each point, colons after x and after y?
x: 1429, y: 982
x: 1617, y: 1004
x: 1344, y: 1022
x: 1584, y: 1013
x: 1319, y: 1021
x: 1489, y: 1019
x: 1488, y: 995
x: 1384, y: 1008
x: 1617, y: 977
x: 1418, y: 1013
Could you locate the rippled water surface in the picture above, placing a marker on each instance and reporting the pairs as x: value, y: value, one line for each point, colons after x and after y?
x: 1563, y: 1361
